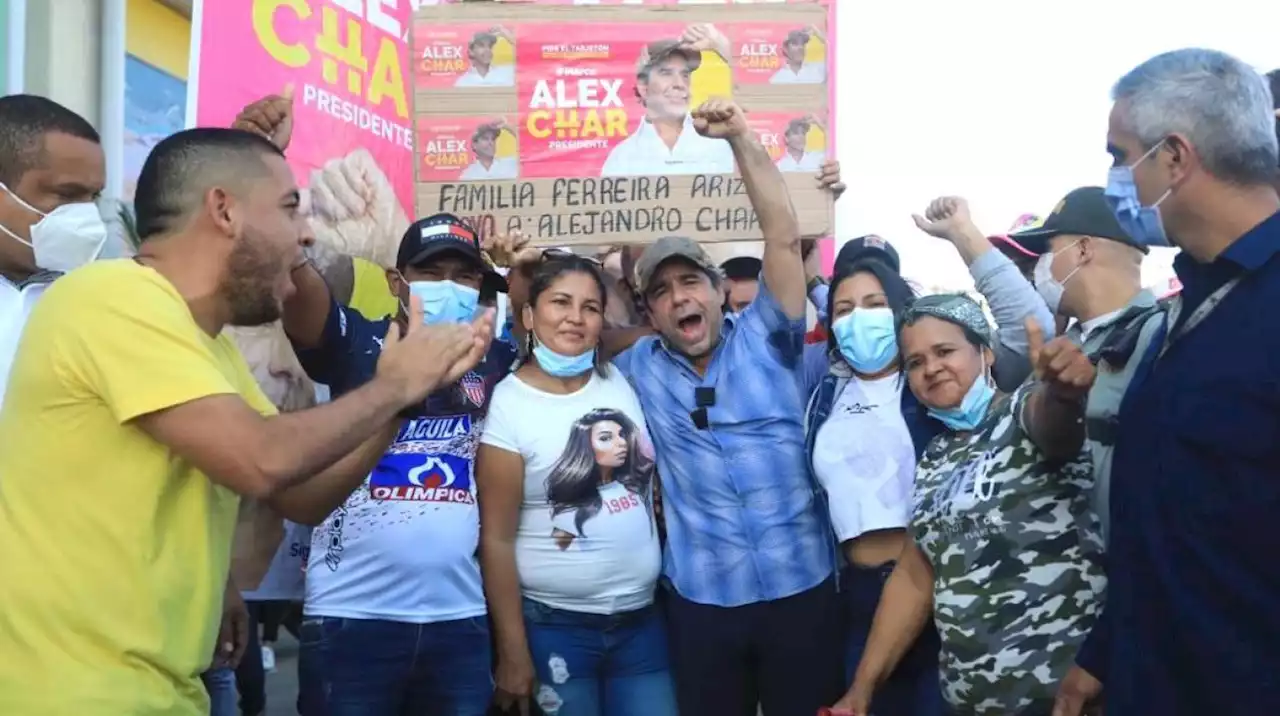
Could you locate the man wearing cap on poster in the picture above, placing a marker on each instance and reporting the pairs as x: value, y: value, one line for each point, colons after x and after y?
x: 484, y: 144
x: 1090, y: 270
x: 395, y: 613
x: 749, y: 563
x: 483, y: 73
x: 665, y: 142
x: 795, y: 71
x: 796, y: 156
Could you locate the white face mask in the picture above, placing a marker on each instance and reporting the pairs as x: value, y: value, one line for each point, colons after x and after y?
x: 1050, y: 288
x: 66, y: 238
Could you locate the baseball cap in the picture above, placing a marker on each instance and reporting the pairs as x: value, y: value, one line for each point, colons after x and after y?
x: 489, y: 129
x: 483, y: 38
x: 662, y: 49
x: 797, y: 37
x: 671, y: 247
x: 797, y: 125
x: 868, y: 247
x: 1083, y: 212
x: 1016, y: 252
x: 439, y: 234
x: 742, y: 268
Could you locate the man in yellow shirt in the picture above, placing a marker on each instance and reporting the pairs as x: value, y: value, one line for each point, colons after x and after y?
x: 131, y: 425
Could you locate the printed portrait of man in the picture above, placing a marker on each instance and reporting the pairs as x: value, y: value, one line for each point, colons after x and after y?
x: 665, y: 141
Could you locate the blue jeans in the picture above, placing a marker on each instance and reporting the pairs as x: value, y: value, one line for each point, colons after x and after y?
x: 913, y: 689
x: 600, y: 664
x: 221, y: 685
x: 369, y: 667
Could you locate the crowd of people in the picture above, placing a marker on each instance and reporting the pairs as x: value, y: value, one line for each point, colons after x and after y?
x: 651, y: 489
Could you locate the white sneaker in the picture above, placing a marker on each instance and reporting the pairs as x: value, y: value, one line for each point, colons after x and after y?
x: 268, y: 659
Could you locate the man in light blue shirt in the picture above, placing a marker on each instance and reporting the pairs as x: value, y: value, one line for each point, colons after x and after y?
x: 750, y: 558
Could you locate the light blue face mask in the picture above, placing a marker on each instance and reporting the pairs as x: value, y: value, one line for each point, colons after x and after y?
x: 866, y: 338
x: 1142, y: 223
x: 445, y: 301
x: 971, y: 410
x: 562, y: 366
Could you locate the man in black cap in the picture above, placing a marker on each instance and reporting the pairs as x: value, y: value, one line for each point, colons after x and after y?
x: 1090, y: 270
x: 395, y: 612
x: 741, y: 282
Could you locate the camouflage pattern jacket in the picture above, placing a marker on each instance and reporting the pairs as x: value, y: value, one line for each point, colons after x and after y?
x: 1017, y: 561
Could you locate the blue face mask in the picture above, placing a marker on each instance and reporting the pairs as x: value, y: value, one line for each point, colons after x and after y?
x: 1142, y: 223
x: 971, y: 410
x: 445, y: 301
x: 866, y: 338
x: 562, y: 366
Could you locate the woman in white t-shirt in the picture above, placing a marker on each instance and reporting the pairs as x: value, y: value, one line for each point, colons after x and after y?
x: 568, y: 540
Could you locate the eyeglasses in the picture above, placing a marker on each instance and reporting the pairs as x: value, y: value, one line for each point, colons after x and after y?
x: 562, y: 255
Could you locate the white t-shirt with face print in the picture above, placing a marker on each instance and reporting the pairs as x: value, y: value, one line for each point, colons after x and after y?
x: 587, y: 540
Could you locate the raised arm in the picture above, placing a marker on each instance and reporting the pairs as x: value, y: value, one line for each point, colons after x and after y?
x: 783, y: 266
x: 1010, y: 296
x: 1053, y: 414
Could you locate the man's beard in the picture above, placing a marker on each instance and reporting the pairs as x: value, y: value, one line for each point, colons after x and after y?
x: 250, y: 283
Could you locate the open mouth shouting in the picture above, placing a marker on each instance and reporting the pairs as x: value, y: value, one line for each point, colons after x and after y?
x: 692, y: 327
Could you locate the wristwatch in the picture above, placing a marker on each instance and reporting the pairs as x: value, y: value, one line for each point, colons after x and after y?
x: 815, y: 282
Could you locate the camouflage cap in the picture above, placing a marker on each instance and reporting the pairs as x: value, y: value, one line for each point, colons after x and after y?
x: 671, y: 247
x: 659, y: 51
x: 954, y: 308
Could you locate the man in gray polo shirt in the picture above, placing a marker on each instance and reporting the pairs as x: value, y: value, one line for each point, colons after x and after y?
x: 1090, y: 270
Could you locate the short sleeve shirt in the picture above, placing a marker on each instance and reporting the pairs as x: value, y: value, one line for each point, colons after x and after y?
x: 402, y: 547
x: 1016, y: 556
x: 116, y: 549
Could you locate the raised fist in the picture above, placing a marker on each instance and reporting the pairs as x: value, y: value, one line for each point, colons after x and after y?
x: 354, y: 207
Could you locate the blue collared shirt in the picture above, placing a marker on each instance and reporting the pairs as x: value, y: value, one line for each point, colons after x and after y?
x: 743, y: 521
x: 1191, y: 624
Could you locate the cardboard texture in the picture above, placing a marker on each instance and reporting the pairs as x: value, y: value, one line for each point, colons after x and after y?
x: 530, y: 116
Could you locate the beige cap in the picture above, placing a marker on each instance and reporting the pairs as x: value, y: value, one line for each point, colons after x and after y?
x: 670, y: 247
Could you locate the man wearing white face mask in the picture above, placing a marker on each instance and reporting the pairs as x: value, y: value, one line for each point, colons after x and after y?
x: 1090, y: 270
x: 51, y: 171
x: 394, y: 610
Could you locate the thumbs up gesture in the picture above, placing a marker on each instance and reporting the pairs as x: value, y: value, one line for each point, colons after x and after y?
x: 1060, y: 364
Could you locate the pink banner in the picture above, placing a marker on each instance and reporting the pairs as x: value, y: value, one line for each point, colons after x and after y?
x: 349, y: 71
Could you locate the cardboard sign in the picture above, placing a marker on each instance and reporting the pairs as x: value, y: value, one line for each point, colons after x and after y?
x: 571, y: 122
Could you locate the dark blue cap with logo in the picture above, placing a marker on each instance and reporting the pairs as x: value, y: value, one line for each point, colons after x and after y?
x: 869, y: 247
x: 440, y: 234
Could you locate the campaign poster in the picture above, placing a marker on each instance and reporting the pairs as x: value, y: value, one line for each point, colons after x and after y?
x: 463, y: 56
x: 348, y: 67
x: 599, y: 106
x: 796, y: 141
x: 778, y: 54
x: 599, y: 141
x: 467, y: 148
